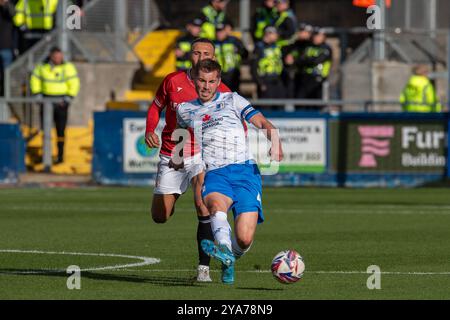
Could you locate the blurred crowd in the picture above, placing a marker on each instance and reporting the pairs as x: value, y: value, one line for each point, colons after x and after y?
x: 289, y: 59
x: 22, y: 24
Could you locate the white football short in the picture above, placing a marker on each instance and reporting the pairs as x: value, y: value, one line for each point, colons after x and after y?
x: 169, y: 181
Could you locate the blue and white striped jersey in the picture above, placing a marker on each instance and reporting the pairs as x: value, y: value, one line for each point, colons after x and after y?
x: 219, y: 128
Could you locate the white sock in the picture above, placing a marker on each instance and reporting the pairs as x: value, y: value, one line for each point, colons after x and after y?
x: 237, y: 250
x: 221, y: 228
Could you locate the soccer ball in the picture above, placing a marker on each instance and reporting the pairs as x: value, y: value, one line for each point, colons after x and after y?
x: 288, y: 266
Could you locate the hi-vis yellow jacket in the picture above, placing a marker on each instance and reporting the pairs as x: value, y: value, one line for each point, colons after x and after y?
x: 211, y: 18
x: 55, y: 80
x: 35, y: 14
x: 419, y: 96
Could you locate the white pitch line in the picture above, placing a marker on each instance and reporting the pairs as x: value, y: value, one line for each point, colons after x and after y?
x: 315, y: 272
x: 149, y: 260
x: 366, y: 211
x: 145, y: 260
x: 373, y: 210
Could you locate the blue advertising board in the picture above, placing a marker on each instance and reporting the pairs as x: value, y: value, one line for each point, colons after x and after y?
x: 347, y: 149
x: 12, y: 153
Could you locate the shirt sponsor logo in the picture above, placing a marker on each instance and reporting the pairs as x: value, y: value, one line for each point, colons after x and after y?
x: 208, y: 122
x: 206, y: 118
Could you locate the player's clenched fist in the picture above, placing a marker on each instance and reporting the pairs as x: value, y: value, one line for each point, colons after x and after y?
x: 152, y: 140
x: 276, y: 153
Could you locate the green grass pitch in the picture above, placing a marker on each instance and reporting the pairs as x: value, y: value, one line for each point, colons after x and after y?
x: 339, y: 232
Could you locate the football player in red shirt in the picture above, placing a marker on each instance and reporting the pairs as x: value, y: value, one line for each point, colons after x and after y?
x: 176, y: 88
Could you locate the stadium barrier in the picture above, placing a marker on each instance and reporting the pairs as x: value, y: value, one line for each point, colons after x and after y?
x: 321, y: 149
x: 12, y: 155
x: 47, y: 118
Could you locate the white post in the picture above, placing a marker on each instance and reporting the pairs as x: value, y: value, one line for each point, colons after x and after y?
x: 407, y: 14
x: 47, y: 154
x: 63, y: 38
x: 244, y: 19
x: 379, y: 45
x: 120, y: 16
x: 146, y: 20
x: 432, y: 17
x: 326, y: 90
x: 4, y: 112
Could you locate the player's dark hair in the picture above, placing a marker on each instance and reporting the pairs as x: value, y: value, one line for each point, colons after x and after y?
x: 202, y: 40
x: 207, y: 66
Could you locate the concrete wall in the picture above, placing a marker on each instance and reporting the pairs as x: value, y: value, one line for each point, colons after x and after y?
x: 97, y: 82
x: 380, y: 81
x: 388, y: 78
x: 355, y: 83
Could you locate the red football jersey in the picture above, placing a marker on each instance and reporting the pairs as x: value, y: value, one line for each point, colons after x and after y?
x: 176, y: 88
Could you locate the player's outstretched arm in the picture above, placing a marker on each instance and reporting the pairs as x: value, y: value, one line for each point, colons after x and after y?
x: 153, y: 115
x: 260, y: 122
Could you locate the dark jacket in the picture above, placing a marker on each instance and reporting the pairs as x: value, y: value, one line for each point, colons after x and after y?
x: 315, y: 61
x: 267, y: 63
x: 7, y: 13
x: 230, y: 53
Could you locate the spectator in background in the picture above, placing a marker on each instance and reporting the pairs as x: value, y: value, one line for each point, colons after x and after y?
x: 314, y: 66
x: 286, y: 23
x: 212, y: 15
x: 265, y: 16
x: 267, y: 66
x: 7, y: 12
x: 139, y: 78
x: 290, y: 54
x: 419, y: 94
x: 56, y: 78
x: 34, y: 18
x: 183, y: 44
x: 230, y: 52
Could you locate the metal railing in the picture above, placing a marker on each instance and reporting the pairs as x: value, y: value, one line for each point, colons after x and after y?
x: 103, y: 37
x: 333, y: 105
x: 288, y: 105
x: 408, y: 46
x: 47, y: 124
x: 104, y: 15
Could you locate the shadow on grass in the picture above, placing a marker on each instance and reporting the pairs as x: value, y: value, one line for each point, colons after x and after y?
x: 260, y: 289
x: 155, y: 280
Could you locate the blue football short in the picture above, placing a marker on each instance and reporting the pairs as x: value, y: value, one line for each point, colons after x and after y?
x: 241, y: 183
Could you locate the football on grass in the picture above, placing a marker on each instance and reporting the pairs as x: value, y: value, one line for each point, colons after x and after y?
x: 288, y: 266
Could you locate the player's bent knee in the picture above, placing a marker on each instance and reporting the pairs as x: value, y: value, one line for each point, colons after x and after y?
x: 160, y: 216
x: 159, y: 220
x: 245, y: 241
x: 214, y: 206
